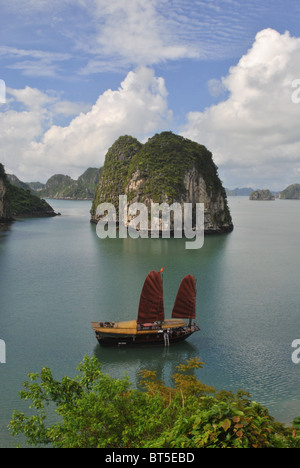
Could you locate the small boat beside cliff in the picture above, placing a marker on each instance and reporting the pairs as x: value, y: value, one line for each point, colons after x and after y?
x: 151, y: 328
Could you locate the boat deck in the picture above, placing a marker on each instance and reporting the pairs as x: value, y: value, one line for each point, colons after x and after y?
x: 132, y: 327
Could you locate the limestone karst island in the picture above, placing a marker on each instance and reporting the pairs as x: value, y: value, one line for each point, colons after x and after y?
x: 167, y: 168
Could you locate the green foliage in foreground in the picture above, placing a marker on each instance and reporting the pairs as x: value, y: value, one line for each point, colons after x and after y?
x: 98, y: 411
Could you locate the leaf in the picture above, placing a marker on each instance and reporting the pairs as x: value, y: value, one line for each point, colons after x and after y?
x: 236, y: 419
x: 296, y: 423
x: 239, y: 426
x: 226, y: 424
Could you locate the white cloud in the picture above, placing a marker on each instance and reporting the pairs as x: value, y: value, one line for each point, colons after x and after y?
x: 254, y: 134
x: 102, y: 35
x: 31, y: 98
x: 18, y: 130
x: 136, y: 32
x: 28, y: 7
x: 216, y: 87
x: 31, y: 62
x: 111, y: 34
x: 34, y: 53
x: 139, y: 108
x: 147, y: 32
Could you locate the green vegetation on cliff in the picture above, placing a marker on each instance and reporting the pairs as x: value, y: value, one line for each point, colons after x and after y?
x: 165, y: 159
x: 24, y: 204
x: 162, y: 161
x: 115, y: 172
x: 64, y: 187
x: 15, y: 202
x: 56, y: 186
x: 2, y: 172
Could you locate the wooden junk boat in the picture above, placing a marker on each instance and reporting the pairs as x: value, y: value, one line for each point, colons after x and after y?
x: 151, y: 327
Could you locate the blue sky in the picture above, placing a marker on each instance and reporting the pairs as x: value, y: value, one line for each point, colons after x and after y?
x: 80, y: 73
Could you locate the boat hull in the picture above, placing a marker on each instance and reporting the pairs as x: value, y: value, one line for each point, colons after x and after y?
x: 146, y: 340
x: 166, y: 335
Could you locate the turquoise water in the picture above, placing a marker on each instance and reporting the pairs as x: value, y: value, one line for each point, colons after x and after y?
x: 57, y: 277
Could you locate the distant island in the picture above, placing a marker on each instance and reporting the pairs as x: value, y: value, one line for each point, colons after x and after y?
x: 142, y: 172
x: 261, y: 195
x: 167, y: 168
x: 292, y: 192
x: 16, y: 202
x: 239, y: 192
x: 63, y: 187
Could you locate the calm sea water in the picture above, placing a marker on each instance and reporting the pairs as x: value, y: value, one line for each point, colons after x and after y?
x: 57, y: 276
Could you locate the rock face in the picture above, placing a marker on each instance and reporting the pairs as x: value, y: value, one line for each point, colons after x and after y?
x: 168, y: 168
x: 261, y: 195
x: 292, y: 192
x: 5, y: 212
x: 16, y: 202
x: 17, y: 182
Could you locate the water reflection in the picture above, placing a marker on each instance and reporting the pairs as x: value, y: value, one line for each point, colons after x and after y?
x: 4, y: 228
x: 163, y: 361
x: 173, y: 248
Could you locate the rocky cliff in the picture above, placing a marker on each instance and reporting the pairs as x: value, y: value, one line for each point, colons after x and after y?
x: 168, y: 168
x: 292, y: 192
x: 16, y: 202
x: 5, y: 212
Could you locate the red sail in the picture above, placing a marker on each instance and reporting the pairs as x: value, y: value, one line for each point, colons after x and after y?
x: 185, y: 303
x: 151, y: 308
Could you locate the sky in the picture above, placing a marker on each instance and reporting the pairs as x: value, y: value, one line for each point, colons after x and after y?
x: 80, y: 73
